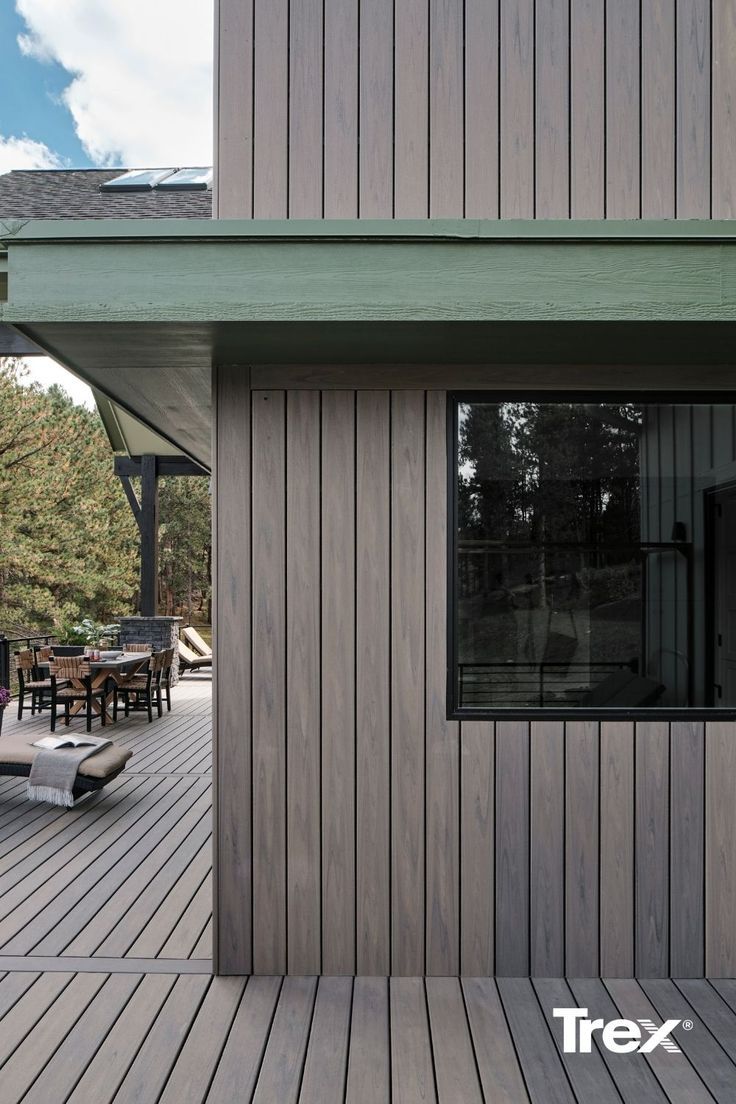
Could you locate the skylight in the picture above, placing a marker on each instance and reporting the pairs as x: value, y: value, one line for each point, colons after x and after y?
x: 188, y: 180
x: 137, y: 180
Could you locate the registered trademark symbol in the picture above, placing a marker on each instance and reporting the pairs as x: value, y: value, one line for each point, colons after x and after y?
x: 687, y: 1025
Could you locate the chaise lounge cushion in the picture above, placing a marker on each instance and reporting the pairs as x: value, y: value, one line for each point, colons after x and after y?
x: 18, y: 751
x: 191, y: 662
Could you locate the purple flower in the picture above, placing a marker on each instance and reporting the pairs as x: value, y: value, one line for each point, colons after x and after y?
x: 4, y: 697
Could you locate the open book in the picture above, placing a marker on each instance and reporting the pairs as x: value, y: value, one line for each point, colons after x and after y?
x: 52, y: 743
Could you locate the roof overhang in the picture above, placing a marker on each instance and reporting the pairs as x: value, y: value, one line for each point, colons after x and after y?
x: 143, y: 309
x: 129, y: 434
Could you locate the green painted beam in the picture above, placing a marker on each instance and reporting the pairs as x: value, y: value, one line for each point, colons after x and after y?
x: 203, y: 271
x: 36, y: 230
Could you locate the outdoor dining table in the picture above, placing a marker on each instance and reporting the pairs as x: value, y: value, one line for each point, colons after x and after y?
x: 120, y: 670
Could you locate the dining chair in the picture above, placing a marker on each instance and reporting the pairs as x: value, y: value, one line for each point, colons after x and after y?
x: 166, y: 675
x: 65, y: 672
x: 29, y: 682
x: 144, y: 687
x: 44, y: 653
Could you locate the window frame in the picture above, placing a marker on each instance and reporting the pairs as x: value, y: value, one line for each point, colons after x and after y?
x: 580, y: 713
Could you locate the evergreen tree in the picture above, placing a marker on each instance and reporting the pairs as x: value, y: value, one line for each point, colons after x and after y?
x: 69, y: 546
x: 185, y: 547
x: 68, y: 542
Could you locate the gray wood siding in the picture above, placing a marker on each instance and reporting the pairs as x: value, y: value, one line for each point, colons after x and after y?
x: 466, y: 108
x: 385, y: 838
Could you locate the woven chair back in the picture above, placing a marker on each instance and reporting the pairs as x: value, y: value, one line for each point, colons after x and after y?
x: 138, y: 647
x: 24, y: 660
x: 73, y: 667
x: 158, y: 660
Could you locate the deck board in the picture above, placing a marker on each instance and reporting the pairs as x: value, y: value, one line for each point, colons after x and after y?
x: 127, y: 872
x: 96, y: 1038
x: 544, y: 1073
x: 59, y: 1023
x: 705, y: 1053
x: 587, y: 1073
x: 635, y: 1081
x: 101, y: 1078
x: 369, y: 1064
x: 63, y: 1070
x: 679, y: 1079
x: 326, y: 1060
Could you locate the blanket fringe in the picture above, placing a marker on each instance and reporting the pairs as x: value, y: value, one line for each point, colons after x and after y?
x: 51, y: 794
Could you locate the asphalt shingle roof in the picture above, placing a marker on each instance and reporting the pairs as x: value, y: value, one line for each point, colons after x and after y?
x: 75, y: 194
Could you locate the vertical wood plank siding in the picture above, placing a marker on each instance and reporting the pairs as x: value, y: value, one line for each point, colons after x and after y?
x: 268, y: 665
x: 232, y: 672
x: 477, y: 109
x: 387, y: 839
x: 302, y: 597
x: 359, y: 828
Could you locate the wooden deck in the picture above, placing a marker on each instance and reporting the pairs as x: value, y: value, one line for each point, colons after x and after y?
x: 126, y: 874
x: 94, y: 1038
x: 107, y: 993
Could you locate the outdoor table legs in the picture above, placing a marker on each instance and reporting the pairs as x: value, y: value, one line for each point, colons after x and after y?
x: 99, y: 678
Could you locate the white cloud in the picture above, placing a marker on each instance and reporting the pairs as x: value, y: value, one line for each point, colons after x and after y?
x: 141, y: 94
x: 25, y: 153
x: 46, y: 372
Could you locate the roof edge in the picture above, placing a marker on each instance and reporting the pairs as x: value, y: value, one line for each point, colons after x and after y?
x: 65, y: 231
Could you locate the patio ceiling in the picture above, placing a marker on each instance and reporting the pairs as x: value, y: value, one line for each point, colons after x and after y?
x: 143, y: 309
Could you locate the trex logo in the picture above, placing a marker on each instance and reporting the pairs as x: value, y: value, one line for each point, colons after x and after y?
x: 618, y: 1036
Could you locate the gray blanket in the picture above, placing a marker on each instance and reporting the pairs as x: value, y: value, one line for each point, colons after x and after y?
x: 53, y: 773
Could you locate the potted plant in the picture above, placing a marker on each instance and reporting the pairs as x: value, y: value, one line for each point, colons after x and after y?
x: 4, y: 701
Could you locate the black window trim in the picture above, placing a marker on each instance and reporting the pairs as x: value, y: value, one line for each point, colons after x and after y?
x: 532, y: 713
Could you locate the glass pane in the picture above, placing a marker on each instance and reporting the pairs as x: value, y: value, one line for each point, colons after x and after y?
x: 137, y: 180
x: 595, y: 547
x: 188, y: 180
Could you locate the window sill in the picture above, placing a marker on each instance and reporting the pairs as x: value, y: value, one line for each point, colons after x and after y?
x: 582, y: 714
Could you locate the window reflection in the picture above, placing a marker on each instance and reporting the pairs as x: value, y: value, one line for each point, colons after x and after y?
x: 592, y: 558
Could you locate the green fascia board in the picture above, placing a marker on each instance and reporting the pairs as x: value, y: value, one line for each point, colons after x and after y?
x: 606, y: 230
x: 203, y: 271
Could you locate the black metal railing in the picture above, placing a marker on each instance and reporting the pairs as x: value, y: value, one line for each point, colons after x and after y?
x: 10, y: 644
x: 511, y: 684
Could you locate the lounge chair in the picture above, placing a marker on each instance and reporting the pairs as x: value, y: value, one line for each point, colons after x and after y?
x: 17, y: 754
x: 190, y: 661
x: 195, y: 641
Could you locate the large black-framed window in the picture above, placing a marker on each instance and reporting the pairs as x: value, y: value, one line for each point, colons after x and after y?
x: 592, y: 555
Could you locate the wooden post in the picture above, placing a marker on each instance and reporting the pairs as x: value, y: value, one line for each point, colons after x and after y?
x: 149, y: 536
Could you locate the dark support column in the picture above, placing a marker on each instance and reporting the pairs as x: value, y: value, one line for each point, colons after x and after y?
x: 145, y: 512
x: 149, y: 536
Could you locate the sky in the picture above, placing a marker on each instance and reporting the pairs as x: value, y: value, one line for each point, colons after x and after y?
x: 104, y: 83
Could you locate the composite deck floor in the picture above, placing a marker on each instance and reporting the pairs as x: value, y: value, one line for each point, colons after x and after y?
x: 106, y: 992
x: 127, y: 873
x: 94, y: 1038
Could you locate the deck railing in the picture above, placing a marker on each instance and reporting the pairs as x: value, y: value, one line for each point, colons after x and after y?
x: 531, y: 684
x: 10, y: 644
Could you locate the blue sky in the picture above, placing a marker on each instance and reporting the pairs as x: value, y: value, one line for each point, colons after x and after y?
x: 104, y: 82
x: 30, y: 92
